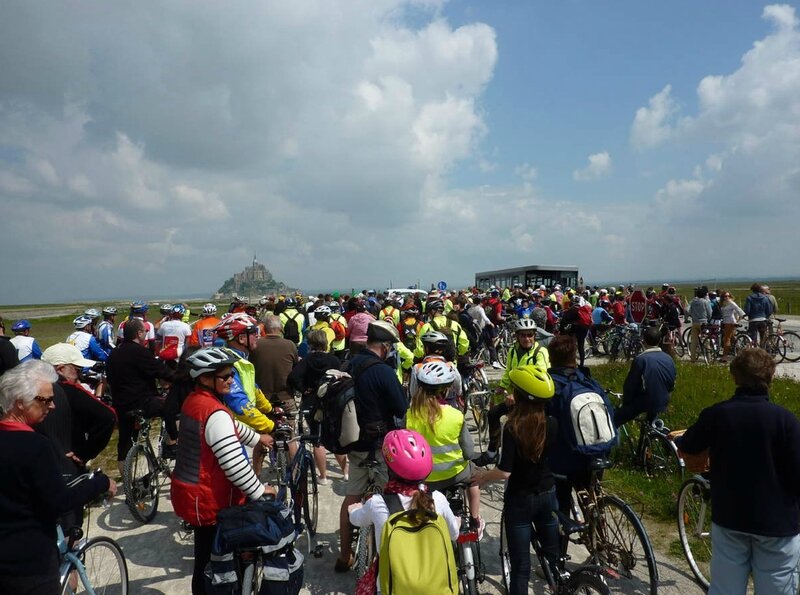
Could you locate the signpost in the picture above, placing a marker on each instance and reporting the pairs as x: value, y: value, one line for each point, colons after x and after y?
x: 442, y: 286
x: 638, y: 306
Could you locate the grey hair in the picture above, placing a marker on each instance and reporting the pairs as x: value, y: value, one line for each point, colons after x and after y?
x: 22, y: 382
x: 317, y: 340
x: 273, y: 324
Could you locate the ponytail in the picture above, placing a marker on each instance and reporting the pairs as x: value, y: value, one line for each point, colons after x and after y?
x: 421, y: 501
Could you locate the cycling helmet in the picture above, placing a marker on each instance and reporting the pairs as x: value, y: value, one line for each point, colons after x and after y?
x: 411, y: 311
x: 334, y: 306
x: 21, y: 325
x: 383, y: 332
x: 109, y: 310
x: 139, y: 307
x: 435, y: 305
x: 524, y: 324
x: 360, y: 305
x: 234, y: 325
x: 533, y: 381
x: 165, y: 309
x: 435, y: 375
x: 323, y: 311
x: 209, y: 310
x: 210, y: 359
x: 435, y: 338
x: 290, y: 302
x: 408, y: 455
x: 81, y: 322
x: 178, y: 310
x: 92, y: 313
x: 263, y: 301
x: 712, y: 294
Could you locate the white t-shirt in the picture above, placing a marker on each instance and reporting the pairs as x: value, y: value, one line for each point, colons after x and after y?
x: 175, y: 328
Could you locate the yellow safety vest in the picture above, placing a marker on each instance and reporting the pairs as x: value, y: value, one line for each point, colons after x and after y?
x: 448, y: 459
x: 338, y: 345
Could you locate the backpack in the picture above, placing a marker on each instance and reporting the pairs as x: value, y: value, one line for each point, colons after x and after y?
x: 469, y: 326
x: 585, y: 315
x: 338, y: 329
x: 291, y: 328
x: 586, y: 413
x: 416, y: 559
x: 408, y: 332
x: 335, y: 409
x: 447, y: 330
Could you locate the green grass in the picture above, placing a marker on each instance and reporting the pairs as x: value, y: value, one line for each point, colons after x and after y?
x: 786, y: 292
x: 697, y: 387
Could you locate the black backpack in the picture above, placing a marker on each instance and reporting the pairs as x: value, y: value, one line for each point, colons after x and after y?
x: 291, y: 328
x: 447, y: 330
x: 469, y: 326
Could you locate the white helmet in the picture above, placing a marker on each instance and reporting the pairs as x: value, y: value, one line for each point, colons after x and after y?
x: 81, y: 321
x: 210, y: 359
x: 91, y: 313
x: 524, y: 324
x: 435, y: 375
x: 322, y: 310
x: 209, y: 309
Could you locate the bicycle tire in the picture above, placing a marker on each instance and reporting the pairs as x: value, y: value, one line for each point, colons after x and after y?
x: 140, y: 481
x: 502, y: 354
x: 792, y: 341
x: 310, y: 489
x: 660, y: 458
x: 741, y: 341
x: 678, y: 346
x: 584, y: 581
x: 694, y: 528
x: 106, y: 568
x: 505, y: 557
x: 365, y: 550
x: 467, y: 558
x: 621, y: 543
x: 776, y: 347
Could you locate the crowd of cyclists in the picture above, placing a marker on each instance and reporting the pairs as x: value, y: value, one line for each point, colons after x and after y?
x: 225, y: 380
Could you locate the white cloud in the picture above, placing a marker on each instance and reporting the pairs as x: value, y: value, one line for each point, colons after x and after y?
x: 651, y: 126
x: 526, y: 172
x: 599, y: 167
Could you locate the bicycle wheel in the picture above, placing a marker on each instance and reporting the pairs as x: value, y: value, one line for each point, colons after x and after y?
x: 585, y: 581
x: 468, y: 568
x: 741, y: 341
x: 309, y: 495
x: 140, y: 481
x: 105, y: 567
x: 678, y: 346
x: 505, y: 558
x: 694, y: 527
x: 792, y: 342
x: 776, y: 347
x: 621, y: 544
x: 365, y: 550
x: 660, y: 457
x: 502, y: 354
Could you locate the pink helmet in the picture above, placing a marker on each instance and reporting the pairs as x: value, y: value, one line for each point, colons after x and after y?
x: 408, y: 455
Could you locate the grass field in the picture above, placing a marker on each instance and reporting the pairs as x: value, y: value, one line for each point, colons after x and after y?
x: 786, y: 292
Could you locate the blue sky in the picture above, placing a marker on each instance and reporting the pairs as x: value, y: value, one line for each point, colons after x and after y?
x: 152, y: 148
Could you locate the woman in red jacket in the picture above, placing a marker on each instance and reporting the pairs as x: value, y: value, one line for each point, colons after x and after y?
x: 207, y: 479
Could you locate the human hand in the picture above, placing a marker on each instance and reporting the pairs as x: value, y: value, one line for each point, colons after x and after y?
x: 112, y: 487
x: 266, y: 441
x: 269, y: 490
x: 353, y: 507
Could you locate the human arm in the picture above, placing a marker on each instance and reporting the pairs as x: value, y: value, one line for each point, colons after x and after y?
x: 698, y: 437
x: 633, y: 384
x: 220, y: 435
x: 95, y: 351
x: 466, y: 443
x: 503, y: 469
x: 463, y: 340
x: 443, y: 508
x: 36, y: 351
x: 244, y: 410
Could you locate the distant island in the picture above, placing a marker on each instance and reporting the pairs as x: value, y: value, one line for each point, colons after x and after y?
x: 253, y: 282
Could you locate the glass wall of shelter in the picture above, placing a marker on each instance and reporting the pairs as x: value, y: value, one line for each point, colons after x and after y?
x: 528, y: 277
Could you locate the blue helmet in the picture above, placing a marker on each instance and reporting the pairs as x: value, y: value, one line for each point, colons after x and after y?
x: 139, y: 307
x: 178, y: 310
x: 21, y: 325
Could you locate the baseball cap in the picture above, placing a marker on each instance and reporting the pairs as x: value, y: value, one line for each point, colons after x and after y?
x: 64, y: 353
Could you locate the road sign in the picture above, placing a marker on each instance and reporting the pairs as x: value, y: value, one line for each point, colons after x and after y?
x: 638, y: 306
x: 442, y: 286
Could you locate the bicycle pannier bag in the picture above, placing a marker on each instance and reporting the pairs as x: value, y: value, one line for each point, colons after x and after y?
x: 417, y: 558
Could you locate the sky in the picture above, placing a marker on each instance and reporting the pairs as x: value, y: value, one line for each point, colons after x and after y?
x: 151, y: 148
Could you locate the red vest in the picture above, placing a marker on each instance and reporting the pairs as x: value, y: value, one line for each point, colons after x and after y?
x: 199, y: 487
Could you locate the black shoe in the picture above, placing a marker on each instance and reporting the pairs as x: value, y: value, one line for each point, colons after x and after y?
x: 486, y: 459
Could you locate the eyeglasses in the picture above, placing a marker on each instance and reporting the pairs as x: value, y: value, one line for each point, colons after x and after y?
x: 224, y: 377
x: 527, y: 335
x: 44, y: 400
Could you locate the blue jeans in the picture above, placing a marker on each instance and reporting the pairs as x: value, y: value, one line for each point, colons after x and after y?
x: 522, y: 514
x: 771, y: 560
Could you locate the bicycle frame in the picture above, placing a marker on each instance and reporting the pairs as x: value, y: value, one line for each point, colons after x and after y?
x: 70, y: 561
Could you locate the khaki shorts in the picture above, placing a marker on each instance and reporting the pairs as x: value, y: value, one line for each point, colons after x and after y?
x: 359, y: 476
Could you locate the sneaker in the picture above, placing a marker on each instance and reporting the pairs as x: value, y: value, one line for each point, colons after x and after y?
x: 497, y: 365
x: 323, y: 481
x: 478, y: 525
x: 486, y: 459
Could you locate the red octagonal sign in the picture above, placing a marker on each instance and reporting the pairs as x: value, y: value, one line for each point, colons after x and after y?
x: 638, y: 306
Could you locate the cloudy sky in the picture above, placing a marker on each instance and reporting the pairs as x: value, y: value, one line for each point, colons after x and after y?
x: 150, y: 148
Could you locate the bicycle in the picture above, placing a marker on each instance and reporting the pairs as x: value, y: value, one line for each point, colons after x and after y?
x: 468, y: 549
x: 90, y: 566
x: 477, y: 398
x: 296, y: 479
x: 694, y: 526
x: 586, y: 579
x: 614, y: 535
x: 364, y: 537
x: 652, y: 449
x: 146, y: 471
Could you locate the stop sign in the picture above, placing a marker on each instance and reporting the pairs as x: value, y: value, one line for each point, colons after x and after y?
x: 638, y: 306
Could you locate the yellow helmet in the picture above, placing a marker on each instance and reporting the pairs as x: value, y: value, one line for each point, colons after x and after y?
x: 533, y: 381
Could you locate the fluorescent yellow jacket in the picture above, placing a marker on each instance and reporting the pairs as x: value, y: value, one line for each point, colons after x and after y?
x: 321, y: 325
x: 297, y: 317
x: 536, y: 356
x: 461, y: 339
x: 448, y: 306
x: 339, y: 345
x: 406, y: 360
x: 448, y: 459
x: 390, y: 312
x: 247, y: 402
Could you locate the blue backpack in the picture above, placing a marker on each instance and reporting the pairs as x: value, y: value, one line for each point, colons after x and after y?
x: 585, y: 412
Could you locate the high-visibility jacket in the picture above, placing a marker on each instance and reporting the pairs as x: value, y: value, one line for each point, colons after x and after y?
x: 202, y: 335
x: 340, y: 344
x: 448, y: 458
x: 246, y: 400
x: 321, y: 325
x: 390, y: 312
x: 299, y: 319
x: 537, y: 356
x: 441, y: 321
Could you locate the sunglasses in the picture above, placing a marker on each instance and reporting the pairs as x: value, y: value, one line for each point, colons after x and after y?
x: 44, y: 400
x: 225, y: 377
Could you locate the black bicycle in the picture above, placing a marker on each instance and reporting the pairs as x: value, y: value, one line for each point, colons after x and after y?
x: 146, y: 470
x: 468, y: 546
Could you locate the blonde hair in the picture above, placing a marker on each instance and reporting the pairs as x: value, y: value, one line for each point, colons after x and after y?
x: 425, y: 405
